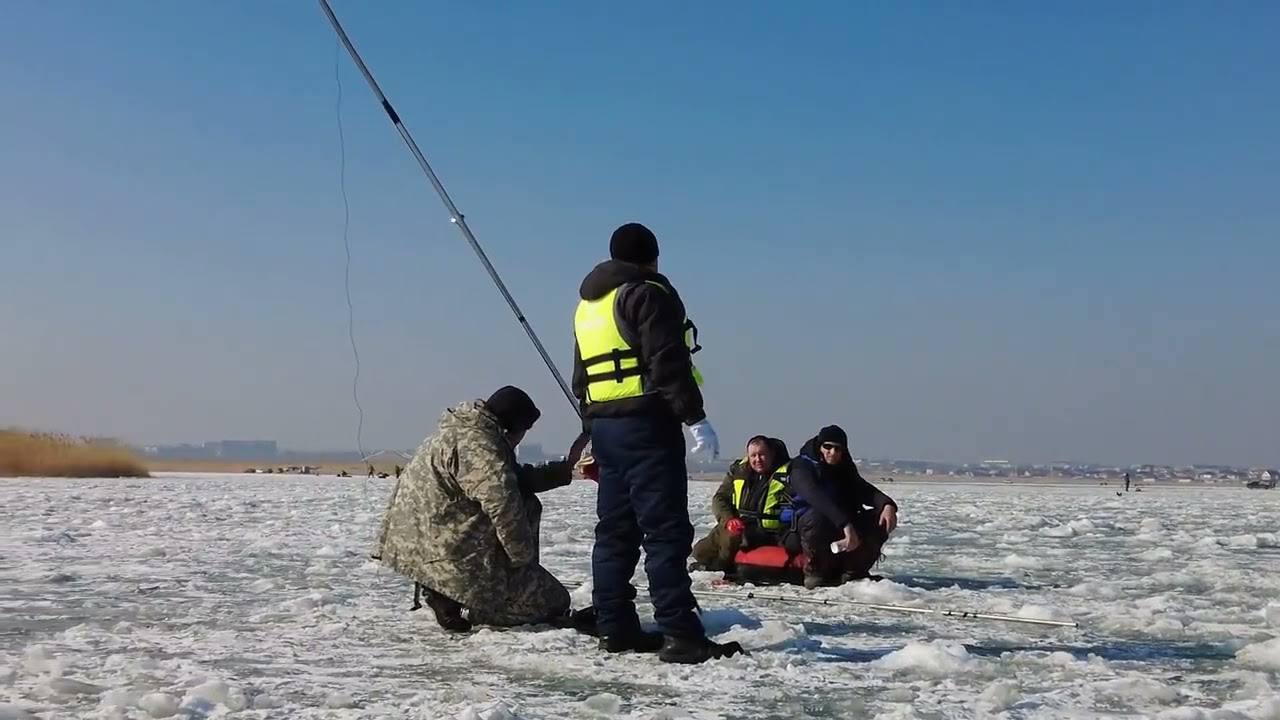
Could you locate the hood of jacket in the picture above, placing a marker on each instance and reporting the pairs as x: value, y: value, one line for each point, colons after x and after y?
x: 780, y: 457
x: 612, y: 274
x: 472, y: 416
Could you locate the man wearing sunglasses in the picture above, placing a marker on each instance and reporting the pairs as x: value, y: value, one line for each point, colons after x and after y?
x: 829, y: 504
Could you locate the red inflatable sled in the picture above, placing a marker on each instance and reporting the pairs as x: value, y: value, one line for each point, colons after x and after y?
x: 773, y: 565
x: 768, y: 565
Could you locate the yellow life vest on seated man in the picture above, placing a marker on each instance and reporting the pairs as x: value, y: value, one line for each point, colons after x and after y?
x: 777, y: 496
x: 612, y: 365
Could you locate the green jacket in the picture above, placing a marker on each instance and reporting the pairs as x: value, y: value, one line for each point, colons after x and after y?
x: 722, y: 506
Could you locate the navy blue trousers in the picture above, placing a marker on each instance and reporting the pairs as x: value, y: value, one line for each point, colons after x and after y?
x: 642, y: 501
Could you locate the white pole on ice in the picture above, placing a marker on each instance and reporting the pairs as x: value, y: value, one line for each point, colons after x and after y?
x: 966, y: 614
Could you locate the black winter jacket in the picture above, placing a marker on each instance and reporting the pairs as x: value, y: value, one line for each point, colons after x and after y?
x: 836, y: 491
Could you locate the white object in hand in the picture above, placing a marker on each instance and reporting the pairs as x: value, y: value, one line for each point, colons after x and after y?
x: 704, y: 437
x: 839, y: 546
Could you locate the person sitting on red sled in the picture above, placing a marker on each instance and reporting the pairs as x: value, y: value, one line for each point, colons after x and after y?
x: 777, y: 517
x: 748, y: 506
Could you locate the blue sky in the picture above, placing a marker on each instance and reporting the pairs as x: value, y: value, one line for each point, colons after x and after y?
x: 961, y: 231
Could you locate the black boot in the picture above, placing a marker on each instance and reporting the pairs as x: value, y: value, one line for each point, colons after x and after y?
x: 814, y: 580
x: 691, y: 651
x: 584, y: 621
x: 635, y: 641
x: 448, y: 612
x: 820, y: 571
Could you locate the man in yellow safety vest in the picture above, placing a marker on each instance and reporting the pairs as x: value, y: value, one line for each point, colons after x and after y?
x: 634, y: 376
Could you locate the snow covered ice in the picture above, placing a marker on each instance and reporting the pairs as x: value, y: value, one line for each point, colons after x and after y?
x: 253, y: 597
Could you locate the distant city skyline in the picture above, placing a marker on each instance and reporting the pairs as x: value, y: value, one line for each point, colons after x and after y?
x: 535, y: 452
x: 1015, y: 231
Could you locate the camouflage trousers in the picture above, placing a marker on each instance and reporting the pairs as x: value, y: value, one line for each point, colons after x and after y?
x: 531, y: 594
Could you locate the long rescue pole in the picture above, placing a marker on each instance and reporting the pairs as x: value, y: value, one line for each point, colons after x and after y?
x: 966, y: 614
x: 455, y: 216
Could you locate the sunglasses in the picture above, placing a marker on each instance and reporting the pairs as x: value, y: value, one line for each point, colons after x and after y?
x: 832, y: 446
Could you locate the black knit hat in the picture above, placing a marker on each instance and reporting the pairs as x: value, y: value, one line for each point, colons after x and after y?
x: 633, y: 243
x: 833, y: 434
x: 514, y: 409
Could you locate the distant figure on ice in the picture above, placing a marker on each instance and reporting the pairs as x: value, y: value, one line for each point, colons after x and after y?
x: 463, y: 521
x: 747, y: 506
x: 1126, y: 482
x: 828, y: 502
x: 398, y: 471
x: 370, y: 470
x: 633, y: 373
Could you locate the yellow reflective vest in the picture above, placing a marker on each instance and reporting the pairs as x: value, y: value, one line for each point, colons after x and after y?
x: 613, y: 366
x: 776, y: 498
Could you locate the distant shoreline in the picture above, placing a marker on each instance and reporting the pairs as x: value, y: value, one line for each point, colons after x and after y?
x: 1038, y: 481
x: 324, y: 467
x: 386, y: 462
x: 331, y: 469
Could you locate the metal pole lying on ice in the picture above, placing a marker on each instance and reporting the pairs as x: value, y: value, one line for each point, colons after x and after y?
x: 455, y: 216
x: 752, y: 595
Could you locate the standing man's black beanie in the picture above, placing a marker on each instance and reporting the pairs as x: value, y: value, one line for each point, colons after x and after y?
x: 633, y: 243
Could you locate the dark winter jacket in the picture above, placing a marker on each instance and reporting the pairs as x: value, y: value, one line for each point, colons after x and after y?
x: 651, y: 320
x: 837, y: 491
x: 756, y: 485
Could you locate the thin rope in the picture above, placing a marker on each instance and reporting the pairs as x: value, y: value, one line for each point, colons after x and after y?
x: 455, y: 215
x: 346, y: 244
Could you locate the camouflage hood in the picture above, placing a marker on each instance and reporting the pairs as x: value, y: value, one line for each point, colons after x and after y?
x: 472, y: 417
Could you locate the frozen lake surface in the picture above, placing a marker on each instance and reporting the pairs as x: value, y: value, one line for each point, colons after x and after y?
x: 252, y: 597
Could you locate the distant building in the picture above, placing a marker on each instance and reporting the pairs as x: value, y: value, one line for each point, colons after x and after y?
x: 243, y: 449
x: 217, y: 449
x: 184, y: 451
x: 530, y: 453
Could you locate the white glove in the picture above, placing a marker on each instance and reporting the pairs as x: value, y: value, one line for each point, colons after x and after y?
x: 704, y: 437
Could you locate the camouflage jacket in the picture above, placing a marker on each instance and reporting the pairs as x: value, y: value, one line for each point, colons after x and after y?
x: 457, y: 519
